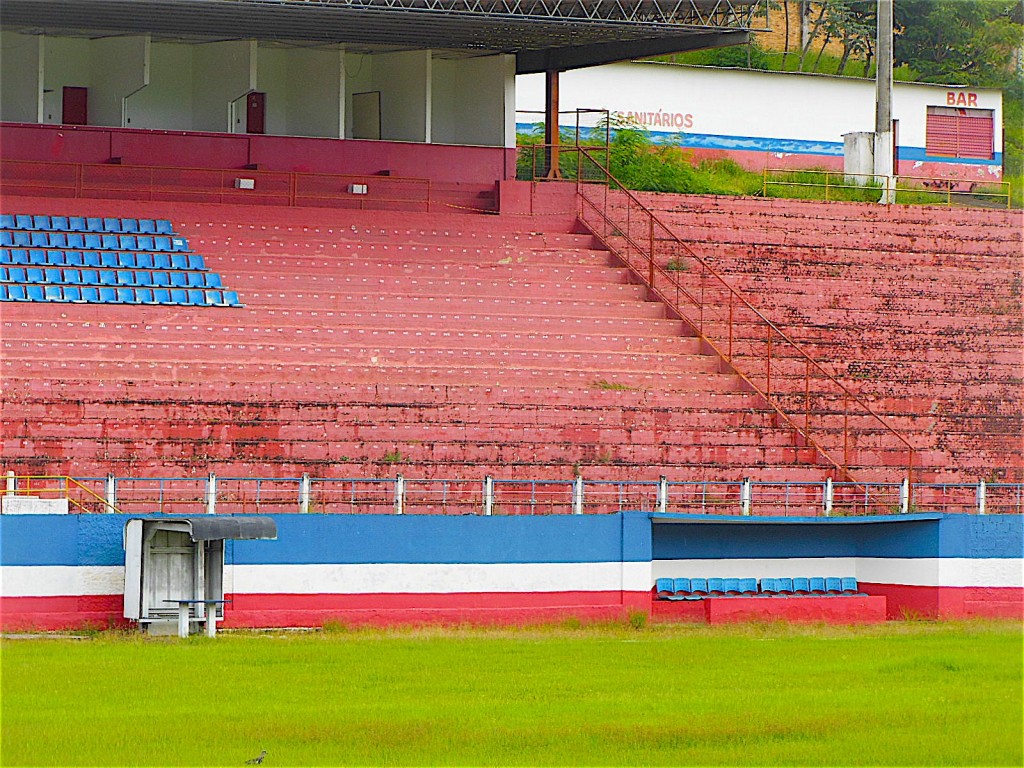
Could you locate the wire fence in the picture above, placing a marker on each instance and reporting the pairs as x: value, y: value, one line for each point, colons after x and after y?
x: 499, y: 496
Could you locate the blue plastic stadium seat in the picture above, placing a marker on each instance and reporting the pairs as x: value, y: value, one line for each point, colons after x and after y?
x: 91, y: 294
x: 126, y: 296
x: 144, y: 296
x: 5, y: 256
x: 699, y: 586
x: 716, y: 586
x: 129, y: 226
x: 40, y: 239
x: 801, y: 585
x: 73, y: 293
x: 7, y: 221
x: 145, y: 243
x: 126, y: 277
x: 663, y: 587
x: 3, y: 275
x: 163, y: 227
x: 144, y: 279
x: 731, y: 586
x: 53, y: 276
x: 179, y: 245
x: 19, y: 256
x: 147, y: 226
x: 179, y: 279
x: 22, y: 239
x: 144, y: 260
x: 74, y: 258
x: 110, y: 260
x: 59, y: 223
x: 179, y: 261
x: 41, y: 222
x: 35, y: 293
x: 76, y: 240
x: 37, y: 257
x: 128, y: 242
x: 55, y: 258
x: 76, y: 224
x: 162, y: 243
x: 769, y: 586
x: 58, y: 240
x: 22, y: 222
x: 748, y: 586
x: 162, y: 296
x: 54, y: 293
x: 196, y: 279
x: 92, y: 259
x: 34, y: 275
x: 195, y: 261
x: 161, y: 279
x: 213, y: 280
x: 213, y: 299
x: 108, y: 295
x: 126, y: 260
x: 681, y: 586
x: 849, y: 585
x: 196, y: 298
x: 72, y: 277
x: 3, y: 292
x: 16, y: 293
x: 6, y: 239
x: 179, y: 296
x: 817, y: 585
x: 90, y: 277
x: 93, y: 224
x: 112, y: 225
x: 108, y: 277
x: 110, y: 242
x: 161, y: 261
x: 833, y: 584
x: 16, y: 274
x: 231, y: 299
x: 785, y: 586
x: 93, y: 242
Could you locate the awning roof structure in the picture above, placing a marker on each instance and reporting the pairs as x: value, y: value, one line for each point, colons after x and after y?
x: 543, y: 34
x: 212, y: 527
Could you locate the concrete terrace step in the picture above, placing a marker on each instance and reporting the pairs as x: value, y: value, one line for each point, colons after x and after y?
x: 349, y: 255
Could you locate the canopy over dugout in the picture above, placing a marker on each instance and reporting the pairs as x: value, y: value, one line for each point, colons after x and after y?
x: 543, y: 35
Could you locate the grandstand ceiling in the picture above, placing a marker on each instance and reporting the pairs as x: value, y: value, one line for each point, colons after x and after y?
x: 544, y: 35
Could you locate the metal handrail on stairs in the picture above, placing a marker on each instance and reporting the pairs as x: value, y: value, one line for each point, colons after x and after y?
x: 822, y: 410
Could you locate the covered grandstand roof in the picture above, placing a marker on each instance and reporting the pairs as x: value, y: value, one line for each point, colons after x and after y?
x: 543, y: 34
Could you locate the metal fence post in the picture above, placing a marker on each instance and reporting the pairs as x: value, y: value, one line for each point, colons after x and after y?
x: 211, y: 494
x: 399, y: 495
x: 662, y: 495
x: 830, y: 496
x: 982, y: 492
x: 577, y: 495
x: 304, y: 493
x: 12, y: 484
x: 905, y: 496
x: 745, y: 497
x: 488, y: 495
x: 110, y: 492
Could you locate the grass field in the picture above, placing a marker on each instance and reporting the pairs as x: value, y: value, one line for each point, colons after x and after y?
x: 913, y: 693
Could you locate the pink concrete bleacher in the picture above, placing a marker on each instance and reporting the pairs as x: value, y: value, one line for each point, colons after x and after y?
x: 918, y: 309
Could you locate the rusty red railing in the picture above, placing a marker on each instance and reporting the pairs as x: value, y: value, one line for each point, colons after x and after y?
x: 829, y: 418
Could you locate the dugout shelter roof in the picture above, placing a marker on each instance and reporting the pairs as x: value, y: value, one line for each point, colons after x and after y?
x: 542, y: 34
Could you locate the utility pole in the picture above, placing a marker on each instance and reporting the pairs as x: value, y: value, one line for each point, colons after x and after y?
x: 884, y: 149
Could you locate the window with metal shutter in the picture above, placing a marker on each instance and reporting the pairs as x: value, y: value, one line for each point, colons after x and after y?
x: 967, y: 133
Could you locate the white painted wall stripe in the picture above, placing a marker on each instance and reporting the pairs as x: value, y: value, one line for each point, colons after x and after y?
x: 61, y: 580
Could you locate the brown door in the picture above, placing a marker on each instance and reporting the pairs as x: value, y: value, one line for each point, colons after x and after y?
x: 75, y: 109
x: 256, y: 113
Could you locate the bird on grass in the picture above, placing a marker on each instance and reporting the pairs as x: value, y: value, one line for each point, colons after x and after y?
x: 258, y: 760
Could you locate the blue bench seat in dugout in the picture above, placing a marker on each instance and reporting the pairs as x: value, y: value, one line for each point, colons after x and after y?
x: 698, y: 588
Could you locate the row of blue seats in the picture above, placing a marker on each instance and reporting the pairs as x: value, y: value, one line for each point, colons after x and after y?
x: 91, y: 295
x: 683, y: 589
x: 113, y: 277
x: 92, y: 242
x: 113, y: 225
x: 19, y: 257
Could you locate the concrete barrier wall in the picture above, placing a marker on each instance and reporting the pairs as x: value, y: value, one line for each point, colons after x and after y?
x: 68, y: 570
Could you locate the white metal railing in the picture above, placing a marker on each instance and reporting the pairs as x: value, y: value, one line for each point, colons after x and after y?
x: 498, y: 496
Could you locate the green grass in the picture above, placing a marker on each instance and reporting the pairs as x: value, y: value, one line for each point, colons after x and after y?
x: 907, y: 694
